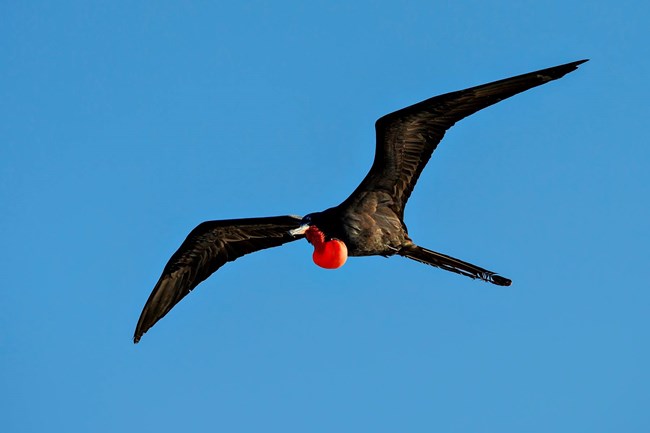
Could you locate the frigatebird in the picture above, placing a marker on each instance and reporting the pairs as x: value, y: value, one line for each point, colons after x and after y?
x: 369, y: 222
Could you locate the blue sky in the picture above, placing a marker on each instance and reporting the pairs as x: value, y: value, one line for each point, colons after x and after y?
x: 122, y: 126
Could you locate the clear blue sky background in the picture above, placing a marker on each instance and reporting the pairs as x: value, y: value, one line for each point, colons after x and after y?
x: 125, y: 124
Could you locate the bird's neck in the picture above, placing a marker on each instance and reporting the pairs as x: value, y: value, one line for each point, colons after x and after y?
x: 315, y: 236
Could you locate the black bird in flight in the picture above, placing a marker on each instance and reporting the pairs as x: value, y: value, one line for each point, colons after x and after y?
x: 369, y: 222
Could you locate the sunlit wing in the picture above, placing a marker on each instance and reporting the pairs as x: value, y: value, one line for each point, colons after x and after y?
x: 407, y: 138
x: 208, y: 247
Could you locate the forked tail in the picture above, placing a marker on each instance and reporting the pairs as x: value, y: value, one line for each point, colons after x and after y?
x: 447, y: 263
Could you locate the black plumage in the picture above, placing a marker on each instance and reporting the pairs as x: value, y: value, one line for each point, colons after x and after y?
x: 370, y: 221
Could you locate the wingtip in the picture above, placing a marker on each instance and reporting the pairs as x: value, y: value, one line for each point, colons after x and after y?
x: 139, y: 332
x: 552, y: 73
x: 578, y: 63
x: 561, y: 70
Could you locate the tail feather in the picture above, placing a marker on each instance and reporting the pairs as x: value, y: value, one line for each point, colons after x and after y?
x: 451, y: 264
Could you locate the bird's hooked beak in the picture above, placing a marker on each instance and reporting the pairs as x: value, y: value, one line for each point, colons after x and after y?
x: 300, y: 230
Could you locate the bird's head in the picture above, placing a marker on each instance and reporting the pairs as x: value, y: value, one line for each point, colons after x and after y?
x: 329, y: 252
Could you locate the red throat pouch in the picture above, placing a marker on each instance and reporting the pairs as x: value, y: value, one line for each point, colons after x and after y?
x: 327, y: 254
x: 331, y: 255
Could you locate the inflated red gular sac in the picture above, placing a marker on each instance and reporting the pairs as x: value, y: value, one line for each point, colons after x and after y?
x: 328, y: 254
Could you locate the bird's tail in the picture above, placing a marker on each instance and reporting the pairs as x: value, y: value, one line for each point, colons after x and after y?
x: 451, y: 264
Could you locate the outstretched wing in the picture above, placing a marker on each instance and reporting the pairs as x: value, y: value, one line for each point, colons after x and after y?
x: 208, y: 247
x: 407, y: 138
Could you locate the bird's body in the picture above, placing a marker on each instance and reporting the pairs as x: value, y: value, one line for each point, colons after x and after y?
x: 369, y: 222
x: 371, y: 231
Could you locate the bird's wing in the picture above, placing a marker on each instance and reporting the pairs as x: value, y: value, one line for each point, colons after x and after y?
x: 208, y: 247
x: 406, y: 138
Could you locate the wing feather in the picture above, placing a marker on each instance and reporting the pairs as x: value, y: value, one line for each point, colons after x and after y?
x: 208, y: 247
x: 407, y: 138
